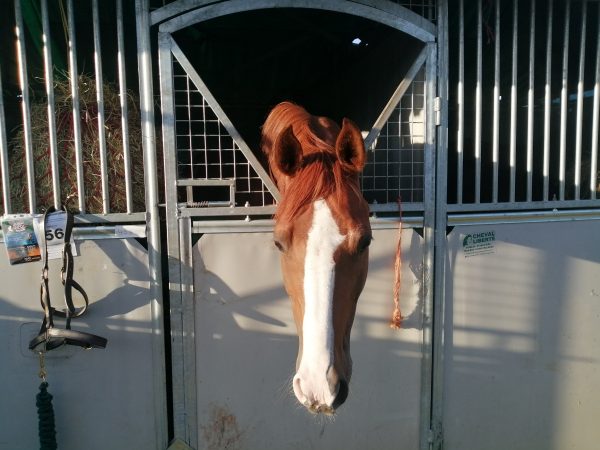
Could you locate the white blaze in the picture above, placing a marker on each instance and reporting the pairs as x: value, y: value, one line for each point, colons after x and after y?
x: 310, y: 383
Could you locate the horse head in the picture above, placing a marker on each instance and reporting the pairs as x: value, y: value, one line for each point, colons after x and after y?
x: 323, y: 233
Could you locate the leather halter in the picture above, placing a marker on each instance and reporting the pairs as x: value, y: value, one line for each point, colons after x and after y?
x: 50, y: 336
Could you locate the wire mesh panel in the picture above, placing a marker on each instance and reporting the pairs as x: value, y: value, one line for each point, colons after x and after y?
x: 425, y: 8
x: 211, y: 167
x: 395, y: 163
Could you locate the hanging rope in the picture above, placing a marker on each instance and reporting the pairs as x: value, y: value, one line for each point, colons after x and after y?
x: 396, y: 314
x: 43, y: 401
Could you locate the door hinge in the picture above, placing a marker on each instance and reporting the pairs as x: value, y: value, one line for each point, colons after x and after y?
x: 437, y: 109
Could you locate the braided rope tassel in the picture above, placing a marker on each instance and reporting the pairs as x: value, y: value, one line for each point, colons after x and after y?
x: 397, y: 315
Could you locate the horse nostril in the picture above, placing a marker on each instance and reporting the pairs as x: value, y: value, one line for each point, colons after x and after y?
x: 342, y: 394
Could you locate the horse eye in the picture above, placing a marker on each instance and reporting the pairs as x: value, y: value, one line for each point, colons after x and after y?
x: 364, y: 243
x: 279, y: 246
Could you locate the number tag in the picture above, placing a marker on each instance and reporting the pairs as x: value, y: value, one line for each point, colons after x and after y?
x: 56, y: 223
x: 54, y: 233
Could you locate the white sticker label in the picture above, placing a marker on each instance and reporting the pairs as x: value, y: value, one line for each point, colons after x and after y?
x: 481, y: 243
x: 54, y: 233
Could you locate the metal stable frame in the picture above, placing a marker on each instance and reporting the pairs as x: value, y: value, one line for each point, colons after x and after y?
x: 183, y: 220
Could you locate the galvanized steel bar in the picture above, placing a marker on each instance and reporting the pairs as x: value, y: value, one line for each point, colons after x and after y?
x: 547, y: 103
x: 523, y: 217
x: 496, y: 103
x: 579, y: 117
x: 124, y: 107
x: 6, y: 201
x: 530, y: 102
x: 478, y: 87
x: 395, y: 98
x: 144, y: 52
x: 460, y: 95
x: 387, y: 13
x: 25, y: 107
x: 433, y: 307
x: 74, y: 79
x: 49, y: 78
x: 100, y: 104
x: 595, y: 121
x: 513, y: 102
x: 563, y: 104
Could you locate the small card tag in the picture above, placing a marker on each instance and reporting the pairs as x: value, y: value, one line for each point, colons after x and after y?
x: 20, y: 239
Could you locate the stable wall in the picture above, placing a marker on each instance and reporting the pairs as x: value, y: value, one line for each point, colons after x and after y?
x: 522, y: 341
x: 103, y: 399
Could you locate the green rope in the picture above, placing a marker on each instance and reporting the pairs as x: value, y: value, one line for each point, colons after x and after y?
x: 46, y: 427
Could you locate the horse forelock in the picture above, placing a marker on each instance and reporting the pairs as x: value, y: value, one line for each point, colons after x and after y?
x: 320, y: 175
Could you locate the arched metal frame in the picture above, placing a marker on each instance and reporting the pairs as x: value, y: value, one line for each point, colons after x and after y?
x: 180, y: 224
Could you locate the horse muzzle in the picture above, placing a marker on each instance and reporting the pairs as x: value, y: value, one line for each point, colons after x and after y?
x: 320, y: 394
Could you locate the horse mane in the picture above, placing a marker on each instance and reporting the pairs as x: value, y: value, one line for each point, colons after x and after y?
x: 320, y: 175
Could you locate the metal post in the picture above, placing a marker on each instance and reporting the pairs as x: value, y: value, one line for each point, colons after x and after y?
x: 547, y: 102
x: 460, y: 94
x: 579, y: 117
x: 496, y: 102
x: 513, y: 102
x: 595, y: 120
x: 152, y: 217
x: 563, y: 104
x: 100, y: 103
x: 478, y: 103
x: 4, y: 156
x: 530, y: 102
x: 25, y: 107
x: 124, y: 107
x: 48, y: 70
x: 74, y: 78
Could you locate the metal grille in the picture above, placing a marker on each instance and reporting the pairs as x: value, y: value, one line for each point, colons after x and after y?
x: 425, y: 8
x: 395, y: 165
x: 525, y: 85
x: 210, y: 164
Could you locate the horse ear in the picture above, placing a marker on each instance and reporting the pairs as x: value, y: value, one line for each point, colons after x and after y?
x: 287, y: 152
x: 350, y: 147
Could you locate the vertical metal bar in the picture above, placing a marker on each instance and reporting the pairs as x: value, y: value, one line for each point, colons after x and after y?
x: 563, y: 104
x: 4, y: 155
x: 478, y: 103
x: 496, y: 103
x: 124, y: 107
x: 144, y: 51
x: 48, y: 70
x: 595, y: 120
x: 579, y: 117
x: 433, y: 310
x: 439, y: 258
x: 25, y: 108
x: 513, y: 102
x: 74, y: 78
x: 530, y: 102
x: 100, y: 103
x: 461, y: 103
x: 548, y: 102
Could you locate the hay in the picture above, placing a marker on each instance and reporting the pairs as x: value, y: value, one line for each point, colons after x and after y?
x: 91, y: 153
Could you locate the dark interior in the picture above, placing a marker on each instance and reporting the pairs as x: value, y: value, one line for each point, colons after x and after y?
x: 253, y: 60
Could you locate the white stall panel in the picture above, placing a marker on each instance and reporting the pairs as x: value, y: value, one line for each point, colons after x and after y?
x: 246, y: 349
x: 522, y: 343
x: 103, y: 399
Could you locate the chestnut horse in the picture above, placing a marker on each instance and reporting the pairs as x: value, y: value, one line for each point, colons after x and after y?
x: 322, y: 230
